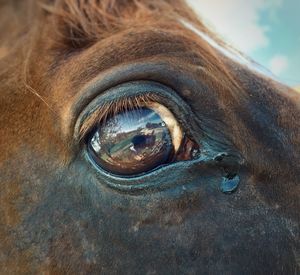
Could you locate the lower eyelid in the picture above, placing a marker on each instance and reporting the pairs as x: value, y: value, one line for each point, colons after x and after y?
x: 147, y: 181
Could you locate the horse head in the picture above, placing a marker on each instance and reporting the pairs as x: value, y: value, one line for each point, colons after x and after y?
x: 134, y: 140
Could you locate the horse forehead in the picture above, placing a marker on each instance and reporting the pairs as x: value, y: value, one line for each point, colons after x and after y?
x: 117, y: 10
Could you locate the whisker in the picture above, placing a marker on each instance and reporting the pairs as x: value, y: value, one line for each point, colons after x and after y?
x: 34, y: 92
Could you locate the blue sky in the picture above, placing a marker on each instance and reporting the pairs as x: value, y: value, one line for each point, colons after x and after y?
x: 266, y: 30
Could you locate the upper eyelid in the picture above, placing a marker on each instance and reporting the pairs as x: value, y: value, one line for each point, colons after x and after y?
x: 104, y: 103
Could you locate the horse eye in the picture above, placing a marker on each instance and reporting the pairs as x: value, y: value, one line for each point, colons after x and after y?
x: 136, y: 141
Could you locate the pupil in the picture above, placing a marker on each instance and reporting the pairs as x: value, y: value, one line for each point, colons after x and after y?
x: 132, y: 142
x: 141, y: 141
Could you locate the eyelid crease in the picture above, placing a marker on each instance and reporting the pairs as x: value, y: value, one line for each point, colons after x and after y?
x: 108, y: 109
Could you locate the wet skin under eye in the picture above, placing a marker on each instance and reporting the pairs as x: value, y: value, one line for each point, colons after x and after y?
x: 132, y: 142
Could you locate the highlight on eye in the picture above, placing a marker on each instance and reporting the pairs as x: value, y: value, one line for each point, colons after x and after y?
x: 136, y: 136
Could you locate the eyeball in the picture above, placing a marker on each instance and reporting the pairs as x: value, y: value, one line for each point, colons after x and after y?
x: 136, y: 141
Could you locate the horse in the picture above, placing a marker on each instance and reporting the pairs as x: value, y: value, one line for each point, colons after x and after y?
x: 216, y: 192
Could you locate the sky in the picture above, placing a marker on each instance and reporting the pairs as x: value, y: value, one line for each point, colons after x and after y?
x: 268, y: 31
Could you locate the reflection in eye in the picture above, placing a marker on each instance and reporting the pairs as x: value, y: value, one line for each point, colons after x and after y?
x: 137, y: 140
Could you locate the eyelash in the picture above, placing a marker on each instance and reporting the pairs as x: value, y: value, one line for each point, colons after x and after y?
x: 111, y: 108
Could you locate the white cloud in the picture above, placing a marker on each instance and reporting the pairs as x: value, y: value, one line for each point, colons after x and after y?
x: 237, y: 20
x: 278, y: 64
